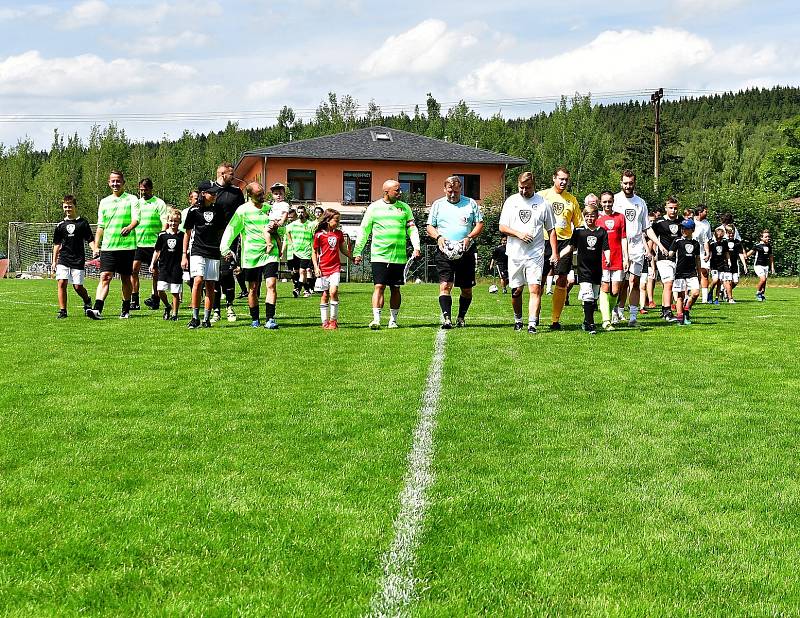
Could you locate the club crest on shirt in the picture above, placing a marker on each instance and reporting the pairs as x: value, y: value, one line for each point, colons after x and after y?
x: 591, y: 241
x: 208, y: 215
x: 689, y: 249
x: 630, y: 214
x: 171, y: 242
x: 719, y: 250
x: 766, y: 250
x: 609, y: 224
x: 332, y: 242
x: 525, y: 215
x: 558, y: 208
x: 70, y: 228
x: 730, y: 245
x: 673, y: 229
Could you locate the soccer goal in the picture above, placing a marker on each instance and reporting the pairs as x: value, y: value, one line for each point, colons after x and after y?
x: 30, y: 250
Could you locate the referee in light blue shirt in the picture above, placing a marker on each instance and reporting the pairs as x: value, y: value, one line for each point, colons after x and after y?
x: 455, y: 218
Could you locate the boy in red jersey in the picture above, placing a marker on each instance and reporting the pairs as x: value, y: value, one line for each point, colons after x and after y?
x: 328, y: 242
x: 614, y: 270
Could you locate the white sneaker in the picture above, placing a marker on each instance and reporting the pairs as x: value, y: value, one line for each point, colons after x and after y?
x: 375, y: 325
x: 393, y: 324
x: 231, y: 315
x: 215, y: 316
x: 615, y: 319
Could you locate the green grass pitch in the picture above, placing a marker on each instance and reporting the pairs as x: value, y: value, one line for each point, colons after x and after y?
x: 150, y: 470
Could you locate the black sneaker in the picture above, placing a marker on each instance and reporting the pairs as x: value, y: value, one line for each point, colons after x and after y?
x: 193, y: 323
x: 242, y: 294
x: 62, y: 313
x: 555, y: 326
x: 135, y: 306
x: 174, y: 317
x: 517, y: 325
x: 296, y: 293
x: 166, y: 313
x: 93, y: 314
x: 447, y: 324
x: 86, y: 308
x: 531, y: 329
x: 591, y: 329
x: 205, y: 324
x: 152, y: 303
x: 124, y: 315
x: 460, y: 323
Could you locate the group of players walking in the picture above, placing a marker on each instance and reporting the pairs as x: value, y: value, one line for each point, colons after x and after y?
x: 225, y: 234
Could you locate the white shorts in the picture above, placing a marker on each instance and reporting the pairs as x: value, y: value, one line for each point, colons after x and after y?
x: 635, y: 265
x: 612, y: 276
x: 705, y: 264
x: 74, y: 275
x: 207, y: 268
x: 571, y: 277
x: 724, y: 275
x: 761, y: 271
x: 173, y: 288
x: 186, y: 276
x: 714, y: 274
x: 525, y: 272
x: 666, y: 270
x: 651, y: 273
x: 588, y: 291
x: 326, y: 282
x: 681, y: 285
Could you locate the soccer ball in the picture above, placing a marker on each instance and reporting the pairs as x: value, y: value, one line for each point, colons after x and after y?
x: 453, y: 250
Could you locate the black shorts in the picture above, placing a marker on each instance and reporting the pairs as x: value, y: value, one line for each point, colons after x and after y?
x: 144, y: 255
x: 564, y: 264
x: 303, y: 263
x: 293, y: 263
x: 120, y: 262
x: 504, y: 274
x: 258, y: 274
x: 460, y: 272
x: 387, y: 274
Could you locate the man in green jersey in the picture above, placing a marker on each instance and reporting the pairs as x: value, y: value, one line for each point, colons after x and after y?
x: 389, y: 222
x: 251, y: 221
x: 117, y: 217
x: 300, y: 235
x: 152, y: 221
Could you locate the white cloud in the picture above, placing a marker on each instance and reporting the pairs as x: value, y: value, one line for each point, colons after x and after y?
x: 86, y: 13
x: 614, y: 60
x: 33, y: 11
x: 85, y: 76
x: 153, y: 44
x: 426, y: 48
x: 267, y: 89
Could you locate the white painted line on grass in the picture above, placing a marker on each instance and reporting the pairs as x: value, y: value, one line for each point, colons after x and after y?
x: 399, y: 584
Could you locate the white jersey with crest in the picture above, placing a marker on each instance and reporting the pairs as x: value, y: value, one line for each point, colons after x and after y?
x: 634, y: 209
x: 532, y: 215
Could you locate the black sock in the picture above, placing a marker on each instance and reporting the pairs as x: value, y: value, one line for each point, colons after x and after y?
x: 446, y: 304
x: 126, y: 306
x: 98, y: 305
x: 254, y: 311
x: 463, y: 306
x: 87, y: 300
x: 307, y: 285
x: 269, y: 310
x: 665, y: 310
x: 230, y: 296
x: 588, y: 312
x: 135, y: 298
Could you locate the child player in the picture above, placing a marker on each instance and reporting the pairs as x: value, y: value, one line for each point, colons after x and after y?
x: 167, y: 256
x: 591, y: 244
x: 328, y: 241
x: 686, y: 252
x: 718, y: 264
x: 614, y: 269
x: 735, y: 254
x: 764, y: 263
x: 69, y: 255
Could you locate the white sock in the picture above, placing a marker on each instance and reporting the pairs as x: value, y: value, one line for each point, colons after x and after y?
x: 323, y: 312
x: 549, y: 286
x: 376, y: 314
x: 393, y: 313
x: 634, y: 311
x: 704, y: 295
x: 334, y: 310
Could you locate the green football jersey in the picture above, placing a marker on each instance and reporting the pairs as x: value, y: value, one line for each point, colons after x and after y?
x: 250, y: 222
x: 389, y: 225
x: 302, y: 237
x: 152, y: 219
x: 113, y: 214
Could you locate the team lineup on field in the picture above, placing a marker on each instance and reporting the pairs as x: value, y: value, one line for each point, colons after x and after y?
x: 226, y: 236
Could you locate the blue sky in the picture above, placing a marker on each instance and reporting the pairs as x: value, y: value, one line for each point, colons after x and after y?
x: 159, y: 68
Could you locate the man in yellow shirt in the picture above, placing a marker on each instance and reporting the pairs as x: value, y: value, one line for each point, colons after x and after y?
x: 568, y: 216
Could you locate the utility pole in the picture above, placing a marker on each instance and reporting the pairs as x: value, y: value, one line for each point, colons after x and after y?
x: 655, y: 99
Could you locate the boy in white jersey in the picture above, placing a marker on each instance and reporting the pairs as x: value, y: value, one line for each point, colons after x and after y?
x: 634, y: 208
x: 524, y: 218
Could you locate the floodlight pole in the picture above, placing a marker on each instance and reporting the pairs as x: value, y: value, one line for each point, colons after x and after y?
x: 655, y: 99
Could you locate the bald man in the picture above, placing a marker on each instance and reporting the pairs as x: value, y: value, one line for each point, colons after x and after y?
x: 390, y: 222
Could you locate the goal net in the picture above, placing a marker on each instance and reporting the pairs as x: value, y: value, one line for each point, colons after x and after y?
x: 30, y: 250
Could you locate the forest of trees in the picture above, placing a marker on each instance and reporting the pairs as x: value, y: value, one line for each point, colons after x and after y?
x: 737, y: 152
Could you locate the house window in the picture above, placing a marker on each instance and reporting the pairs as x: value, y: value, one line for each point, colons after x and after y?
x: 357, y: 188
x: 412, y: 185
x: 303, y: 184
x: 470, y: 185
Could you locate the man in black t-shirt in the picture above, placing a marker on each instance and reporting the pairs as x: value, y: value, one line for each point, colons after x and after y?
x: 663, y: 233
x: 686, y: 252
x: 69, y: 255
x: 229, y: 198
x: 591, y: 244
x: 500, y: 260
x: 205, y: 224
